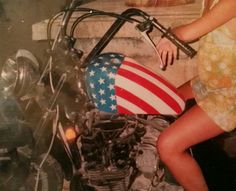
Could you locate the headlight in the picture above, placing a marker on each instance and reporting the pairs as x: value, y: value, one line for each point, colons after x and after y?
x: 20, y: 73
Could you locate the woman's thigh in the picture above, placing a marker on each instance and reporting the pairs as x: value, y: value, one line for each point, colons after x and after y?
x: 191, y: 128
x: 186, y: 91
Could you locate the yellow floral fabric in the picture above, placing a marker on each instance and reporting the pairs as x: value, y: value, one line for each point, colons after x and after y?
x: 215, y: 86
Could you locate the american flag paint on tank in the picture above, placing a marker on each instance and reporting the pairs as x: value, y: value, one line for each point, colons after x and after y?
x: 119, y: 84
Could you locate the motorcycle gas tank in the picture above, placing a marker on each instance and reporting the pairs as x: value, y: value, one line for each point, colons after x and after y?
x: 119, y: 84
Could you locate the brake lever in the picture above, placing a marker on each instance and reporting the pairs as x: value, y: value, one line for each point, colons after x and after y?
x: 144, y: 33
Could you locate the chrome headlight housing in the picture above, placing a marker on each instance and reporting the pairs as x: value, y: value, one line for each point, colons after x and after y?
x: 20, y: 74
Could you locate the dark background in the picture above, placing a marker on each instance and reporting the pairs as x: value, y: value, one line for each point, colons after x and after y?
x: 16, y: 19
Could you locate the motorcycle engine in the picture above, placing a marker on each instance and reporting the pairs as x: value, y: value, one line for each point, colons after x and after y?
x: 121, y: 153
x: 109, y: 150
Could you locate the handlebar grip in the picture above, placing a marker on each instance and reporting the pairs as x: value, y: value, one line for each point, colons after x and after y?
x: 183, y: 46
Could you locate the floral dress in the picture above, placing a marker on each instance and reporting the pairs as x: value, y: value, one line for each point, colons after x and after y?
x: 215, y: 86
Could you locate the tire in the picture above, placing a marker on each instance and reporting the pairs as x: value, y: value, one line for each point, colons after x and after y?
x: 77, y: 184
x: 50, y: 178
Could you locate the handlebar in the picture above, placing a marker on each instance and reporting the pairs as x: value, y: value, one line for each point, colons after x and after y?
x: 126, y: 15
x: 183, y: 46
x: 107, y: 37
x: 68, y: 14
x: 119, y: 22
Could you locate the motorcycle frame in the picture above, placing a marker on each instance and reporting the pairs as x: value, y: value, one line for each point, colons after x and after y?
x: 109, y: 34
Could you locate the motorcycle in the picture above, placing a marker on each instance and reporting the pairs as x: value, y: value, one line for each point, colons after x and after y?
x: 86, y: 119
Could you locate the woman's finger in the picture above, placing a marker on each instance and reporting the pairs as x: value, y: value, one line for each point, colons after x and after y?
x: 169, y: 58
x: 175, y: 53
x: 164, y: 57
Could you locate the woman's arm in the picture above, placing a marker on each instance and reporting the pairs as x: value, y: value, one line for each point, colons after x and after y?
x: 221, y: 13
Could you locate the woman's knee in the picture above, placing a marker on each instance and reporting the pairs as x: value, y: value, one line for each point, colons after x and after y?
x: 166, y: 147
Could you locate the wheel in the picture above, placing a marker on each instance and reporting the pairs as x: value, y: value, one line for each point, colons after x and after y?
x: 77, y: 184
x: 50, y: 177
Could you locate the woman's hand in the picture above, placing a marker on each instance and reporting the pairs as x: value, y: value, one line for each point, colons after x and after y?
x: 167, y: 50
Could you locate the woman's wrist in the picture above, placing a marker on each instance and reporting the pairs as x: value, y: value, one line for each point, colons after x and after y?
x: 185, y: 33
x: 178, y: 32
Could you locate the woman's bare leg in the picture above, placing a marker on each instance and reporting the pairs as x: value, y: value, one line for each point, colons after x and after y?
x: 186, y: 91
x: 191, y: 128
